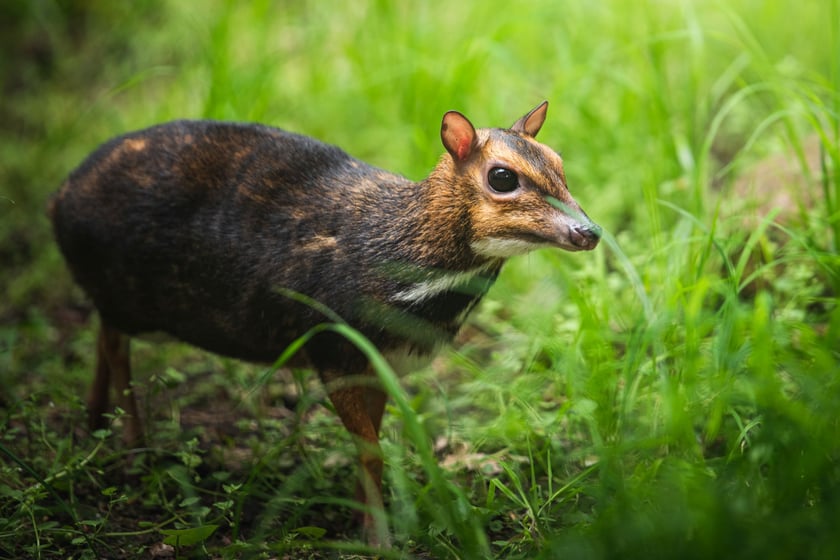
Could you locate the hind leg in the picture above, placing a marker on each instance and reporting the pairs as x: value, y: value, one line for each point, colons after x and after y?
x: 113, y: 366
x: 98, y: 395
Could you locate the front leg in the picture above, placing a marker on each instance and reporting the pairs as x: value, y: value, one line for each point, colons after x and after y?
x: 360, y: 405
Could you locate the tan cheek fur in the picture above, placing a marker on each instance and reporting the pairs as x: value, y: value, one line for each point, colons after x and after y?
x: 526, y: 211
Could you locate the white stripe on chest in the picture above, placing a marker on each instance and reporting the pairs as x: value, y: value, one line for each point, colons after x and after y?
x: 441, y: 282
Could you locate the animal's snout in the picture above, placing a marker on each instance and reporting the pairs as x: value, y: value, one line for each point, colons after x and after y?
x: 585, y: 236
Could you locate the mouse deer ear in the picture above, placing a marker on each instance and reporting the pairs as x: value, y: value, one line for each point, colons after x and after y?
x: 531, y: 123
x: 458, y: 135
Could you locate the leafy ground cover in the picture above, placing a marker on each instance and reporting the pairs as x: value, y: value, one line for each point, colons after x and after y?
x: 673, y: 394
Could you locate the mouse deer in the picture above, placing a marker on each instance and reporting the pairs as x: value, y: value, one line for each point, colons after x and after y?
x: 204, y: 230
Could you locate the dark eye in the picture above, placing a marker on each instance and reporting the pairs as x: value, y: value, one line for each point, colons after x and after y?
x: 502, y: 180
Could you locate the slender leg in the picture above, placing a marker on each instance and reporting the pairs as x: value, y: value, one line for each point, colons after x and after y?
x: 98, y: 396
x: 114, y: 352
x: 360, y: 408
x: 375, y: 400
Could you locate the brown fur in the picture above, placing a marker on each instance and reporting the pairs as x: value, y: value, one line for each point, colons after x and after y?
x: 207, y: 230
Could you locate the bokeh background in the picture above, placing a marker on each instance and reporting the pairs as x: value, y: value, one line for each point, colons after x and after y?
x: 673, y: 394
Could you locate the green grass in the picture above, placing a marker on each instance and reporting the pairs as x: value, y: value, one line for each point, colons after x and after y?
x: 673, y: 394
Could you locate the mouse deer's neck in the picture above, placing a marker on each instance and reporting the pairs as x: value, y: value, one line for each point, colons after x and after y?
x: 443, y: 232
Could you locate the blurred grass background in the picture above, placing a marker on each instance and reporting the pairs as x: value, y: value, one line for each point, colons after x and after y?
x: 673, y: 394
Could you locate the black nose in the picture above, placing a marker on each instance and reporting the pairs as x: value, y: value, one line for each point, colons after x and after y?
x: 585, y: 237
